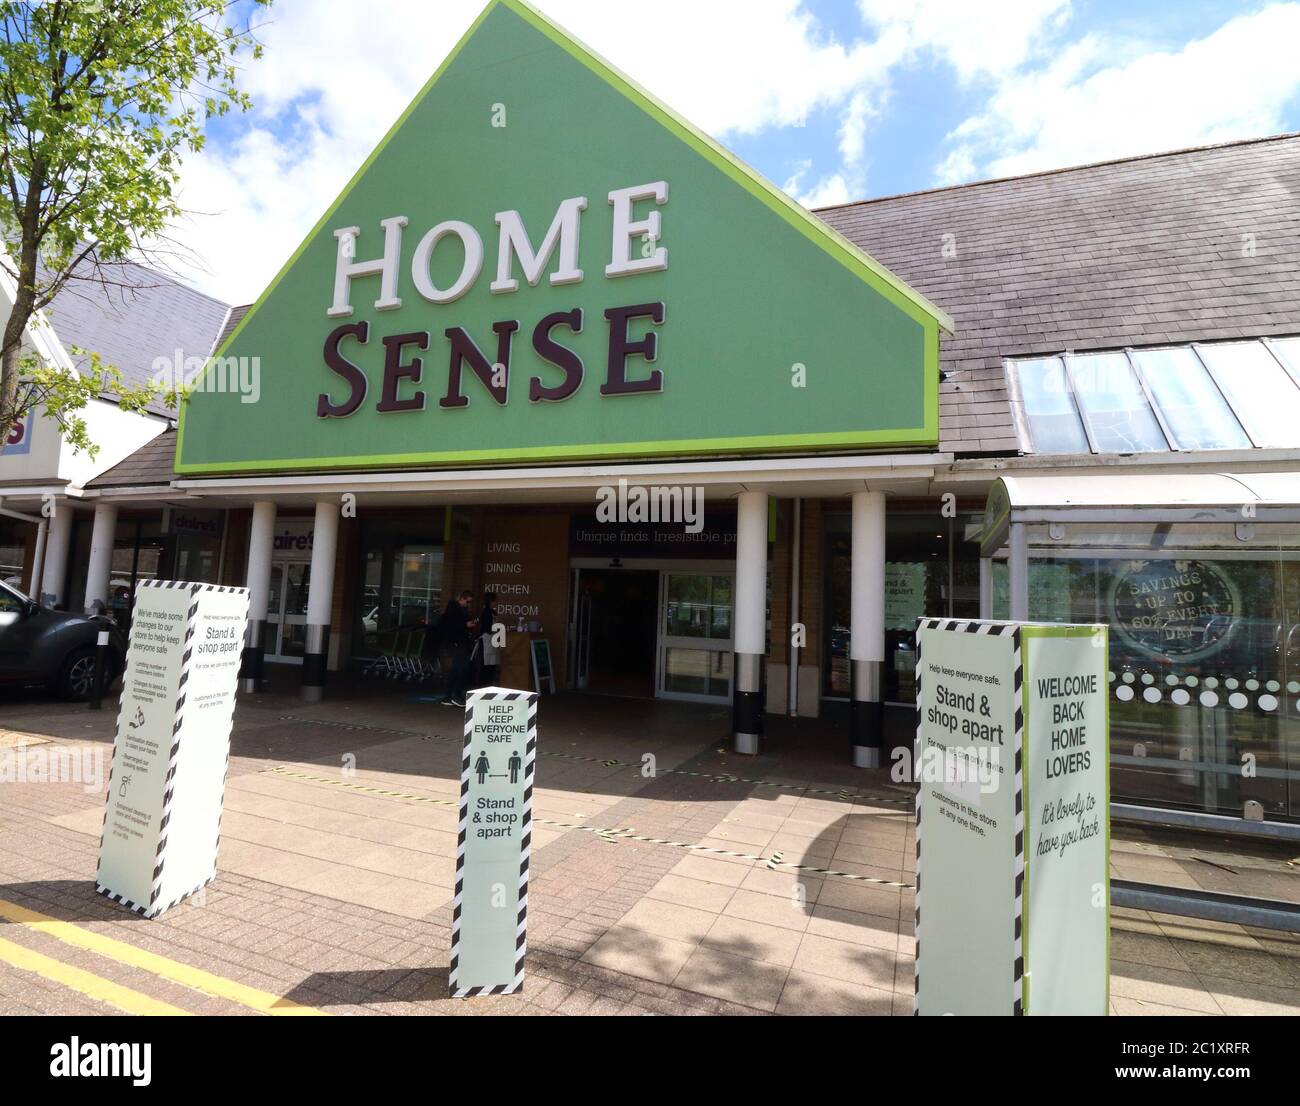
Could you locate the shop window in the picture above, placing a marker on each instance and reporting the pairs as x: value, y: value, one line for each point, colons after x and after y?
x: 931, y: 570
x: 1192, y: 405
x: 1204, y: 668
x: 836, y: 606
x: 400, y: 584
x: 139, y: 553
x: 196, y: 536
x: 13, y: 553
x: 1118, y: 415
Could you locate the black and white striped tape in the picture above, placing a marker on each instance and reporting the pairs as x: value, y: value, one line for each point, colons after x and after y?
x: 612, y: 835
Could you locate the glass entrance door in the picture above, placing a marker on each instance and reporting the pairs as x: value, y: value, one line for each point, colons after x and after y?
x: 579, y: 633
x: 694, y: 647
x: 286, y: 611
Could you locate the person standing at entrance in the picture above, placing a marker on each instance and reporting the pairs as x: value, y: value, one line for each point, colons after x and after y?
x: 456, y: 629
x: 491, y: 653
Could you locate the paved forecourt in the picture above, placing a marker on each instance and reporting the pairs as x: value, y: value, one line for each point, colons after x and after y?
x: 695, y: 882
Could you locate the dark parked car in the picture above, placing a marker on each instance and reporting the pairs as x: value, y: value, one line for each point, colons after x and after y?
x: 54, y: 649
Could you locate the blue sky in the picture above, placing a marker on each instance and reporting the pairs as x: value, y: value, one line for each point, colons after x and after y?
x: 927, y: 100
x: 834, y: 100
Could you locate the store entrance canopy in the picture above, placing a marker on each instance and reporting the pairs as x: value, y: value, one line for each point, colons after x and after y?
x: 1017, y: 502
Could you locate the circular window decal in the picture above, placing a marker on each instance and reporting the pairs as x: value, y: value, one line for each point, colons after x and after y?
x: 1181, y: 610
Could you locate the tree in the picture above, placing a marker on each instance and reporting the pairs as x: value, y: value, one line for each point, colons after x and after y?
x: 99, y: 102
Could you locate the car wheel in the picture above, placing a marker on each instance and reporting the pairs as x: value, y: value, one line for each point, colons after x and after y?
x: 78, y: 675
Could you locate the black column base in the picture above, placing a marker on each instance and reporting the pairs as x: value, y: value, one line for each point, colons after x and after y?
x: 747, y: 702
x: 251, y: 659
x: 314, y: 663
x: 866, y: 732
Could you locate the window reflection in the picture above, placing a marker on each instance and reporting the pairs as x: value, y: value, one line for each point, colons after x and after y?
x: 401, y: 583
x: 698, y: 606
x: 1204, y: 658
x: 1220, y: 395
x: 931, y: 570
x: 1053, y: 420
x: 1117, y: 411
x: 1259, y: 388
x: 1189, y: 400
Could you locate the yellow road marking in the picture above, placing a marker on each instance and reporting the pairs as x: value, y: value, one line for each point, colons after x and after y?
x: 90, y: 985
x: 262, y: 1001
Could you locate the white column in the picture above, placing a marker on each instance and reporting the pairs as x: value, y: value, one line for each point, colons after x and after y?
x: 986, y: 587
x: 100, y: 567
x: 261, y: 545
x: 320, y: 597
x: 1019, y: 572
x: 38, y: 560
x: 867, y: 639
x: 750, y: 620
x: 55, y: 568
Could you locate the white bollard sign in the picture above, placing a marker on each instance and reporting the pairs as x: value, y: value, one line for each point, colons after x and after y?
x: 490, y: 908
x: 1012, y: 818
x: 162, y: 822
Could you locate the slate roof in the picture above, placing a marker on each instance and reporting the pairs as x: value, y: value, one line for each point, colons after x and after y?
x: 235, y: 317
x: 149, y: 315
x: 1137, y: 252
x: 1144, y: 251
x: 152, y: 464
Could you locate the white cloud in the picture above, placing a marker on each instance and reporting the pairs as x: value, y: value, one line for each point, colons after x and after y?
x: 831, y: 189
x: 975, y: 39
x: 336, y: 74
x: 1086, y: 106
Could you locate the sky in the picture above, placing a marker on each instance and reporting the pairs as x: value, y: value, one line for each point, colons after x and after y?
x: 833, y: 100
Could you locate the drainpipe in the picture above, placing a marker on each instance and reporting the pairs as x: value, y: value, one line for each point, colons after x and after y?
x: 792, y: 696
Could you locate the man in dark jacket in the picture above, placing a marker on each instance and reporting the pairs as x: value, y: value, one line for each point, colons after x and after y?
x: 456, y: 631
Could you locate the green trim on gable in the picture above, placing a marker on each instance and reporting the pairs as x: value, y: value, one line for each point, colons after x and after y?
x: 834, y: 243
x: 891, y: 289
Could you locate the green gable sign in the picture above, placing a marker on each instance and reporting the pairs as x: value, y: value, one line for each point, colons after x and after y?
x: 541, y: 262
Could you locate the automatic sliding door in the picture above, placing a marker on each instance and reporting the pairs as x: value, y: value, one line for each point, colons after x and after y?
x: 695, y: 641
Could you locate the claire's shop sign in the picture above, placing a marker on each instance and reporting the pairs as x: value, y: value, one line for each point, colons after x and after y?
x: 203, y: 523
x: 293, y: 539
x: 494, y: 286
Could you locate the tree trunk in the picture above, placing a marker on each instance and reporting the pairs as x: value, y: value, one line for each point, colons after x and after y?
x: 11, y: 350
x: 9, y: 368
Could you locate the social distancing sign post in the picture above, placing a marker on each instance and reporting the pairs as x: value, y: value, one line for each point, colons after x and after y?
x: 162, y: 820
x: 490, y: 908
x: 1012, y: 819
